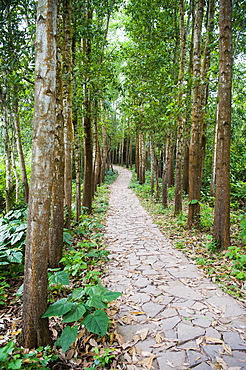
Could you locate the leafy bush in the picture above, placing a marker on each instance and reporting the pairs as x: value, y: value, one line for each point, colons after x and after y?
x: 84, y: 305
x: 12, y: 236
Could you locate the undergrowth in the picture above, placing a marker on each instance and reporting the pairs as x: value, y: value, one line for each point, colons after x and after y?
x: 79, y: 305
x: 226, y: 268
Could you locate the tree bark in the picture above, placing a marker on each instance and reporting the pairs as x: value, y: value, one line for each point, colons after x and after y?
x: 196, y: 130
x: 221, y: 232
x: 20, y: 150
x: 67, y: 108
x: 180, y: 130
x: 57, y: 207
x: 87, y: 121
x: 35, y: 329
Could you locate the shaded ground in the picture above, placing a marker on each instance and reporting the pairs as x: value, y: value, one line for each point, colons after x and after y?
x: 170, y: 316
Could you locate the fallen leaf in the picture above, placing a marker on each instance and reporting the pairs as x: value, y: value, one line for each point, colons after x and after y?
x: 214, y: 340
x: 169, y: 363
x: 138, y: 312
x: 147, y: 362
x: 92, y: 342
x: 143, y: 333
x: 227, y: 348
x: 221, y: 363
x: 120, y: 339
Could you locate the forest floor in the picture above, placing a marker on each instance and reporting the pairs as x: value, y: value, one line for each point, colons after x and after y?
x: 170, y: 316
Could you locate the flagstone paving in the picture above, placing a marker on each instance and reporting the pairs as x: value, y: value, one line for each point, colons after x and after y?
x: 170, y: 316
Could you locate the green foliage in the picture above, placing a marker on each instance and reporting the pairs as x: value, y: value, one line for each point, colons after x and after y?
x: 12, y: 357
x: 239, y: 262
x: 84, y: 305
x: 101, y: 359
x: 243, y: 229
x: 12, y: 237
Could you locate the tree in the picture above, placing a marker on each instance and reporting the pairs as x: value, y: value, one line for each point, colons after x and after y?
x: 221, y: 232
x: 196, y: 131
x: 35, y: 328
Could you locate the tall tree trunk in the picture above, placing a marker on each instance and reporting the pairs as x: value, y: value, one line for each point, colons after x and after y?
x: 9, y: 187
x: 196, y: 134
x: 152, y: 166
x: 164, y: 178
x: 170, y: 161
x: 205, y: 79
x: 16, y: 174
x: 221, y: 231
x: 180, y: 131
x: 20, y: 150
x: 104, y: 150
x: 35, y: 330
x: 88, y: 144
x: 67, y: 108
x: 137, y: 156
x: 213, y: 176
x: 57, y: 207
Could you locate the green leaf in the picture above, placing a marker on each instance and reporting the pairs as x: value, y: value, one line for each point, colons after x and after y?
x: 59, y: 278
x: 58, y: 308
x: 76, y: 312
x: 96, y: 302
x: 78, y: 293
x: 68, y: 337
x: 15, y: 364
x: 194, y: 201
x: 110, y: 296
x: 97, y: 322
x: 16, y: 237
x: 67, y: 238
x: 15, y: 256
x: 6, y: 350
x: 95, y: 290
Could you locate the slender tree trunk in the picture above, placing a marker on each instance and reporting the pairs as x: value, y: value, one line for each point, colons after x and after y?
x: 152, y: 166
x: 88, y: 141
x: 67, y: 108
x: 20, y: 150
x: 170, y: 162
x: 180, y: 131
x: 221, y: 231
x: 137, y: 156
x: 104, y: 152
x: 57, y: 207
x: 9, y: 189
x: 17, y: 177
x: 196, y: 134
x: 35, y: 330
x: 213, y: 177
x: 164, y: 179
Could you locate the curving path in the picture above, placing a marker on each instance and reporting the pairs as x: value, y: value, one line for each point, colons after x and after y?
x: 170, y: 316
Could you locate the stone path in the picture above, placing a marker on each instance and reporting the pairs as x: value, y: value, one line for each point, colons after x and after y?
x: 170, y: 316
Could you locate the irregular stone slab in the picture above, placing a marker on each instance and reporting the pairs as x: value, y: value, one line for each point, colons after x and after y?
x: 195, y: 358
x: 204, y: 323
x: 146, y: 345
x: 142, y: 282
x: 227, y: 305
x: 238, y: 358
x: 171, y: 360
x: 212, y: 350
x: 183, y: 292
x: 152, y: 290
x: 188, y: 271
x: 140, y: 297
x: 234, y: 340
x: 187, y: 332
x: 171, y: 334
x: 212, y: 333
x: 152, y: 309
x: 170, y: 322
x: 169, y: 312
x: 128, y: 331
